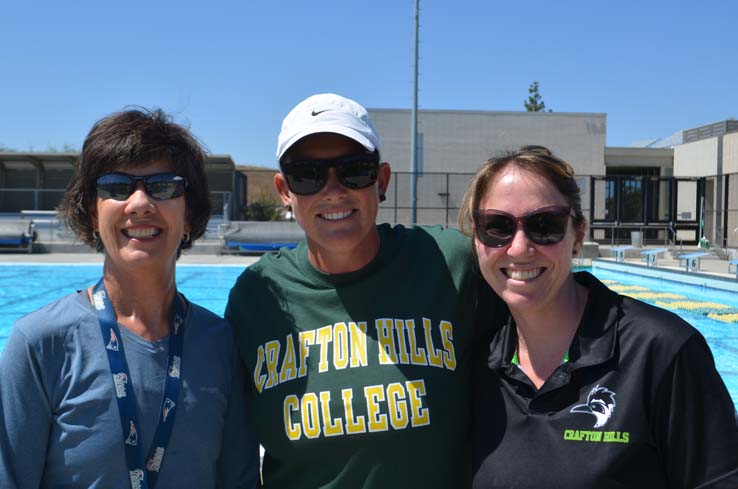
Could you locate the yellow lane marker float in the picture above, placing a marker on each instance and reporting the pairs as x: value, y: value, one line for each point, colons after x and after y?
x: 726, y: 318
x: 649, y: 296
x: 666, y: 300
x: 703, y: 307
x: 627, y: 288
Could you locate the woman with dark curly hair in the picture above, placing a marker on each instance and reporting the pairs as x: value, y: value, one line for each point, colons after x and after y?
x: 128, y: 384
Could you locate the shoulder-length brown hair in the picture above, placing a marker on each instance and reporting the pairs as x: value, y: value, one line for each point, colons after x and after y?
x: 131, y: 138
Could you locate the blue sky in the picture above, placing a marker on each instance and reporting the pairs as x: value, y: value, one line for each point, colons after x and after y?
x: 232, y: 70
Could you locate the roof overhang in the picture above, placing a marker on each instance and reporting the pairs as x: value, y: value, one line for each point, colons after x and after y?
x: 40, y: 161
x: 67, y: 161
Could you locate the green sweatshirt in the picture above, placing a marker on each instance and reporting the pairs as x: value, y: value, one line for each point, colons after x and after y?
x: 362, y: 380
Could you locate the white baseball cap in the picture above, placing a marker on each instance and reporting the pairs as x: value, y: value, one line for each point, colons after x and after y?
x: 327, y: 112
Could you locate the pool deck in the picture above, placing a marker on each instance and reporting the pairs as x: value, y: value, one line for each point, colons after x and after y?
x: 712, y: 273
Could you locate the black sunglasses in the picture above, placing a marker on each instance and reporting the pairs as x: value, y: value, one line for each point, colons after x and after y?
x: 160, y: 186
x: 543, y: 226
x: 308, y: 177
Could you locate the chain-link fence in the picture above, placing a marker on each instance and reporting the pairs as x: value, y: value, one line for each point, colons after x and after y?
x: 721, y: 211
x: 438, y: 196
x: 664, y: 210
x: 659, y: 210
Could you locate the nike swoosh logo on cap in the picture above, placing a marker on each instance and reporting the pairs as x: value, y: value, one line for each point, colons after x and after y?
x: 317, y: 112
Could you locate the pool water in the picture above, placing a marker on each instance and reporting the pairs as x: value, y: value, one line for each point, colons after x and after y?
x: 714, y: 313
x: 24, y: 288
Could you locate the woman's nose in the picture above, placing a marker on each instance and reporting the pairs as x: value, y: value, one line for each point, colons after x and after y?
x: 139, y: 200
x: 520, y: 244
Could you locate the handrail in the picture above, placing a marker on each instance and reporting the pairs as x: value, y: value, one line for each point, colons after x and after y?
x: 674, y: 233
x: 720, y: 242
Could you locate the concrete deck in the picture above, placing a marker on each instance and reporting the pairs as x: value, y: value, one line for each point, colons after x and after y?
x: 712, y: 273
x: 708, y: 266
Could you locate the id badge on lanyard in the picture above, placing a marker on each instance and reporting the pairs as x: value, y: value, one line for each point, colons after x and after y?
x: 141, y: 476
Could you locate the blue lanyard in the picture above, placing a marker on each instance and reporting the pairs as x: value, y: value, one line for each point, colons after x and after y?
x: 122, y: 382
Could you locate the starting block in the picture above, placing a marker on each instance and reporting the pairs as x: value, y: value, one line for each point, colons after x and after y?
x: 691, y: 260
x: 650, y: 256
x: 619, y: 252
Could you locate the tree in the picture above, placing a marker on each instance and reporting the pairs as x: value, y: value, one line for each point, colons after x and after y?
x: 66, y: 148
x: 265, y: 207
x: 535, y: 102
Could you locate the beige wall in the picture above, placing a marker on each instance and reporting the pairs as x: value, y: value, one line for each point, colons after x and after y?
x: 730, y: 153
x: 686, y: 201
x: 697, y: 159
x: 459, y: 141
x: 730, y: 165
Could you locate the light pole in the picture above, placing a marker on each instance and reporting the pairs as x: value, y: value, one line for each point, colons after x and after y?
x: 414, y: 126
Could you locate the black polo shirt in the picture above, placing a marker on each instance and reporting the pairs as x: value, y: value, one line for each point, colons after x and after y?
x: 639, y: 404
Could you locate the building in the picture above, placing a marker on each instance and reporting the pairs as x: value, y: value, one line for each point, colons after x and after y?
x: 661, y: 190
x: 458, y: 141
x: 37, y: 181
x: 711, y: 151
x: 675, y: 190
x: 452, y: 144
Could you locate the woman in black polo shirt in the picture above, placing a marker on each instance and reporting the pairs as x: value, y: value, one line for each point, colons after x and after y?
x: 580, y: 387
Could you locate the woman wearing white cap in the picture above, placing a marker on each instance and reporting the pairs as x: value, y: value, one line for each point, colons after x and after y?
x: 358, y: 341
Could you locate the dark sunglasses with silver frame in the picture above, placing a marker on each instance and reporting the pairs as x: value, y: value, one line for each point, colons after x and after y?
x: 159, y: 186
x: 544, y: 226
x: 308, y: 177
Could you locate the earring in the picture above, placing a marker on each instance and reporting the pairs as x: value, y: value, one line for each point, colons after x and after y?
x: 98, y: 244
x: 186, y: 238
x: 382, y: 197
x: 288, y: 207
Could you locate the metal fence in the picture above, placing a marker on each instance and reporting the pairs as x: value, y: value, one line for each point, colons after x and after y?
x: 438, y: 198
x: 663, y: 210
x: 655, y: 210
x: 438, y: 195
x: 658, y: 210
x: 39, y: 206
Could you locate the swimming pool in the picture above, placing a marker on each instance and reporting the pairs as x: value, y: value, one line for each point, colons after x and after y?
x: 24, y: 288
x: 713, y: 312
